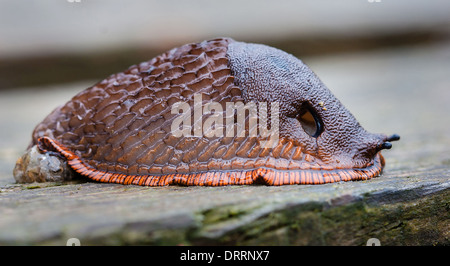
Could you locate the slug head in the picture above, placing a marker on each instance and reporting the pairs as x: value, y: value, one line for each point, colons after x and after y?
x: 310, y: 115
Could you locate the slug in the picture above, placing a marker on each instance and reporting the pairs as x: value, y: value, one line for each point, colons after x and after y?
x: 218, y: 112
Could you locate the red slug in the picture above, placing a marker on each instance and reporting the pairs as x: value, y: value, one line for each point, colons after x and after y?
x: 219, y: 112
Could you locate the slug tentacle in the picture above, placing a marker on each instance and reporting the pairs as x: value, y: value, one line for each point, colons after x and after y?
x: 393, y: 137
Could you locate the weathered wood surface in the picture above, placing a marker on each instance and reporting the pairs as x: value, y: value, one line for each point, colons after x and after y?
x: 404, y: 91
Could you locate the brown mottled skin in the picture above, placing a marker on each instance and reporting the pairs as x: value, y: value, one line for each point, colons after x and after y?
x: 119, y: 130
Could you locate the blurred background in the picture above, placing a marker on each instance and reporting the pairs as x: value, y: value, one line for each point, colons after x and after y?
x: 57, y: 41
x: 386, y: 60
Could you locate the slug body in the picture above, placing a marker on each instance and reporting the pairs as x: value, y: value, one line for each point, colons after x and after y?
x: 121, y: 130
